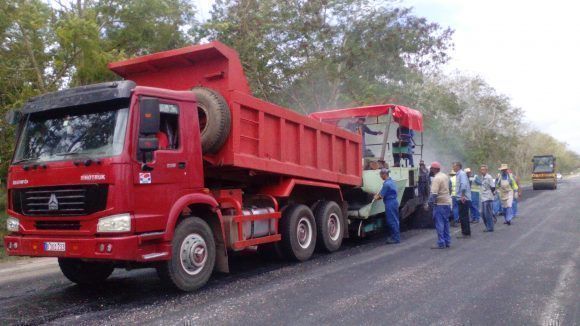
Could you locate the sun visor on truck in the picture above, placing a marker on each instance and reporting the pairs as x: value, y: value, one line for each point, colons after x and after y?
x: 77, y: 96
x: 212, y: 65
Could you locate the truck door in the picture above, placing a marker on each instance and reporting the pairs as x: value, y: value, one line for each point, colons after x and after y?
x: 166, y: 173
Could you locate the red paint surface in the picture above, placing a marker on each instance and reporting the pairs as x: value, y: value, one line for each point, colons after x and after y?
x: 276, y: 144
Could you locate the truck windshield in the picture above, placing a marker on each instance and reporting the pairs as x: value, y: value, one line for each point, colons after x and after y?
x: 58, y: 135
x: 543, y: 165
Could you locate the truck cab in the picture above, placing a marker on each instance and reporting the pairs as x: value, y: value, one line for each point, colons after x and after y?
x: 83, y: 171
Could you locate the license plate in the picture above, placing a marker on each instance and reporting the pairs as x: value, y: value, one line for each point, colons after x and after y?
x: 54, y: 246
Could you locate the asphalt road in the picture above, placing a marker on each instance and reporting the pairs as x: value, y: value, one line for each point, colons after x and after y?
x: 524, y: 274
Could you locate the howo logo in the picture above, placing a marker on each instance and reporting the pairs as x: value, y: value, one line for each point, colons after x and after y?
x: 53, y: 203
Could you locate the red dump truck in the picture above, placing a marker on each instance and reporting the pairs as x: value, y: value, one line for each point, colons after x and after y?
x: 173, y: 168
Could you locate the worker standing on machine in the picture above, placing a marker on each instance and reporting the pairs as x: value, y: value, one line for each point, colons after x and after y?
x: 388, y: 194
x: 362, y: 129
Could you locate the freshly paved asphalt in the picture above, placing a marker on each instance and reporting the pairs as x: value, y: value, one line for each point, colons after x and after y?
x: 524, y: 274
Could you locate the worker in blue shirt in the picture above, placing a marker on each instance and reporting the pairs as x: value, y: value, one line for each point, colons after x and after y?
x: 388, y: 194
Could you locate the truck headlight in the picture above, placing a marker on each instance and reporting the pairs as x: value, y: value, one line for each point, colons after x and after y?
x: 114, y: 223
x: 12, y: 224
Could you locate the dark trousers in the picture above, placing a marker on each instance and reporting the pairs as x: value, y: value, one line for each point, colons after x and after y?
x: 464, y: 216
x: 487, y: 214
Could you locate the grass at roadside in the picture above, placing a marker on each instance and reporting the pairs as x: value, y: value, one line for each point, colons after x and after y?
x: 3, y: 217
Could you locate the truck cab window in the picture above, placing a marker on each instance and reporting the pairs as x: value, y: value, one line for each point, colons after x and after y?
x: 168, y: 135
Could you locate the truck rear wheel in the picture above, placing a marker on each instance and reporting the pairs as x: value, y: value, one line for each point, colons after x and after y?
x: 85, y: 272
x: 192, y: 258
x: 330, y: 226
x: 214, y: 119
x: 298, y: 229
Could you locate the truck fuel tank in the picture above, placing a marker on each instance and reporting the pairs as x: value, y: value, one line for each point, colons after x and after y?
x: 250, y: 229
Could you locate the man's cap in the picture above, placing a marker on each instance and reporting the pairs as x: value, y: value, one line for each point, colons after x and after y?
x: 385, y: 171
x: 436, y: 165
x: 503, y: 167
x: 467, y: 170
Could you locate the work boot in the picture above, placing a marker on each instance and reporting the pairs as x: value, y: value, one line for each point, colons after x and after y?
x: 439, y: 247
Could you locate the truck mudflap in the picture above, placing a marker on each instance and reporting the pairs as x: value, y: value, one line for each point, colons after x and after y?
x: 139, y: 248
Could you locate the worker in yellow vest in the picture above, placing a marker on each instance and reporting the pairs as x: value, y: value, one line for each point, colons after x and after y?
x: 454, y: 204
x: 475, y: 186
x: 506, y: 185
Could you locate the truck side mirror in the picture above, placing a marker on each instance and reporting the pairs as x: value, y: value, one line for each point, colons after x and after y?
x: 150, y: 116
x: 13, y: 117
x: 148, y: 144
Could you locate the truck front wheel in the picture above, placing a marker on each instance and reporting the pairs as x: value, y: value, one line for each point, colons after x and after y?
x: 328, y: 216
x: 193, y: 256
x: 85, y: 272
x: 298, y: 230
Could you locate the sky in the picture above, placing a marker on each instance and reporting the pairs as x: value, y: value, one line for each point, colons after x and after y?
x: 527, y: 50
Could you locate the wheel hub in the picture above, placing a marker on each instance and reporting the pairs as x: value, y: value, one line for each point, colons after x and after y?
x: 193, y: 253
x: 304, y: 232
x: 333, y: 227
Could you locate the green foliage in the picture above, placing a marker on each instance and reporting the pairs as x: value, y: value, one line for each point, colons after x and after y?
x: 3, y: 216
x: 311, y: 55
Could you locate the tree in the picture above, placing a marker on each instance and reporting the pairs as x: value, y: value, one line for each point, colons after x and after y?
x: 311, y: 55
x: 24, y: 61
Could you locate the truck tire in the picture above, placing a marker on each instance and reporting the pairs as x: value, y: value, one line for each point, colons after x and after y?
x: 330, y: 226
x: 85, y: 273
x: 298, y: 229
x: 192, y: 257
x: 214, y: 119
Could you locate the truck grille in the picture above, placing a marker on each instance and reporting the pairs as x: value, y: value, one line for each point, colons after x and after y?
x: 58, y: 225
x: 60, y: 201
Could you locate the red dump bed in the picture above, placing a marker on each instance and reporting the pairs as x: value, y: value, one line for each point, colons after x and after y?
x: 264, y: 137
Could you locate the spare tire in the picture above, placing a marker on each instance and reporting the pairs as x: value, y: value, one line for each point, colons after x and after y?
x: 214, y: 119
